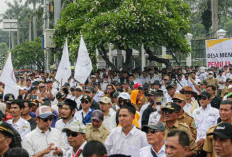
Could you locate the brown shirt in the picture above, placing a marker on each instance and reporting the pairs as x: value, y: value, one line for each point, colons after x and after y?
x: 188, y: 120
x: 99, y: 134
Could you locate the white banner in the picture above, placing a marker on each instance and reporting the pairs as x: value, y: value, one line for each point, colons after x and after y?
x: 8, y: 78
x: 83, y: 65
x: 64, y: 69
x: 218, y: 52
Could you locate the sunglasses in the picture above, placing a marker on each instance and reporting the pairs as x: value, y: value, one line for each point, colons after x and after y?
x: 109, y: 88
x: 46, y: 119
x: 78, y: 90
x: 168, y: 111
x: 84, y: 102
x: 177, y: 101
x: 202, y: 98
x: 73, y: 134
x: 151, y: 131
x: 187, y: 92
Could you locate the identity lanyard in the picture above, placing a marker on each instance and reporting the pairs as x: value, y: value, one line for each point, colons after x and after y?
x: 153, y: 153
x: 77, y: 154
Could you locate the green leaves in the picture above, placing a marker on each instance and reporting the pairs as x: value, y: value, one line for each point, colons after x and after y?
x: 126, y: 24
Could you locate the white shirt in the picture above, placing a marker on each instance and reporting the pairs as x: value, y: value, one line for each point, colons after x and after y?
x: 80, y: 115
x: 78, y: 101
x: 110, y: 120
x: 22, y: 126
x: 220, y: 79
x: 154, y: 117
x: 143, y: 80
x: 97, y: 97
x: 119, y: 143
x: 70, y: 151
x: 181, y: 83
x: 228, y: 75
x: 188, y: 107
x: 146, y: 152
x: 204, y: 119
x: 36, y: 141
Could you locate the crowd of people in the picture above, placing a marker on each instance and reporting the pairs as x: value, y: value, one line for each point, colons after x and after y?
x: 151, y: 113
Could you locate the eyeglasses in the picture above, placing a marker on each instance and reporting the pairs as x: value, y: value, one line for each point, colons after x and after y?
x: 187, y: 92
x: 202, y: 98
x: 78, y: 90
x: 84, y: 102
x: 47, y: 119
x: 177, y: 101
x: 168, y: 111
x: 73, y: 134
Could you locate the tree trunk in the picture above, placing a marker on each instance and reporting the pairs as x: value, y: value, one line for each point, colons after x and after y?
x: 103, y: 53
x: 127, y: 64
x: 152, y: 57
x: 34, y: 21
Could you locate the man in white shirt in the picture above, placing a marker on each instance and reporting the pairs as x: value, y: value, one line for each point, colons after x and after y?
x: 109, y: 114
x: 78, y: 96
x: 205, y: 117
x: 75, y: 132
x: 20, y: 124
x: 155, y: 137
x: 44, y: 140
x: 127, y: 139
x: 84, y: 115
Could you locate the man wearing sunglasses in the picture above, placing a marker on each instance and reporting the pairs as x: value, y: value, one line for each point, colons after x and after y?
x: 205, y: 117
x: 155, y: 133
x: 44, y: 140
x: 183, y: 117
x: 171, y: 113
x: 75, y: 132
x: 84, y: 115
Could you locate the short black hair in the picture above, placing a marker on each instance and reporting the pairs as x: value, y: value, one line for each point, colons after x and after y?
x: 18, y: 102
x: 212, y: 86
x: 94, y: 148
x: 72, y: 104
x: 184, y: 139
x: 16, y: 152
x: 129, y: 107
x: 226, y: 102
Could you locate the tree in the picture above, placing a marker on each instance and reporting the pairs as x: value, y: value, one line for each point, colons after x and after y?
x: 126, y: 24
x: 28, y: 54
x: 3, y: 52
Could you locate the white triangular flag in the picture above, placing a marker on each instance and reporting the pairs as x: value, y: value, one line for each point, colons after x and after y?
x: 8, y: 78
x: 64, y: 69
x: 83, y: 66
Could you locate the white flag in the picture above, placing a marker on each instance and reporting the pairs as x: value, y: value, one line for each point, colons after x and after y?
x: 8, y: 78
x: 64, y: 69
x: 83, y: 66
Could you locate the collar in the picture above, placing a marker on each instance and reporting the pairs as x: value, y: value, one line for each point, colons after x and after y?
x: 40, y: 131
x: 132, y: 131
x: 162, y: 149
x: 101, y: 128
x: 207, y: 108
x: 81, y: 147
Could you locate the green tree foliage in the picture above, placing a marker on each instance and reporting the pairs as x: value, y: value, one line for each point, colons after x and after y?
x: 126, y: 24
x: 3, y: 52
x: 28, y: 54
x: 228, y: 27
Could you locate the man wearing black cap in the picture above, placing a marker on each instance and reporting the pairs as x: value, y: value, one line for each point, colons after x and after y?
x: 84, y: 115
x: 155, y: 133
x: 205, y: 117
x: 155, y: 101
x: 126, y: 139
x: 8, y: 98
x: 222, y: 140
x: 9, y: 137
x: 171, y: 89
x: 171, y: 113
x: 90, y: 91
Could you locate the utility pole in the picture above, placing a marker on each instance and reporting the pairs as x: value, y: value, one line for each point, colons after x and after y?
x: 214, y: 10
x: 34, y: 21
x: 29, y: 30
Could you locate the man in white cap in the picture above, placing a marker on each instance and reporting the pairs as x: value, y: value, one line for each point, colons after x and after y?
x: 44, y: 140
x: 109, y: 114
x: 75, y: 132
